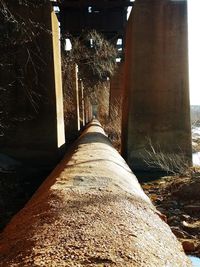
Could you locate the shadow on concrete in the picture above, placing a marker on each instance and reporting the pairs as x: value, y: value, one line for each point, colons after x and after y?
x: 93, y: 137
x: 98, y: 160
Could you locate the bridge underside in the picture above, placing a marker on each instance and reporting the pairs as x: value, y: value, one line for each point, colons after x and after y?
x: 153, y: 79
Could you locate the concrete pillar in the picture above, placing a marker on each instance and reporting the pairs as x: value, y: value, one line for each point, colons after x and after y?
x: 105, y: 97
x: 116, y: 86
x: 81, y: 104
x: 37, y: 138
x: 103, y: 100
x: 85, y: 108
x: 58, y: 80
x: 156, y: 100
x: 90, y: 111
x: 87, y: 115
x: 76, y: 97
x: 72, y: 110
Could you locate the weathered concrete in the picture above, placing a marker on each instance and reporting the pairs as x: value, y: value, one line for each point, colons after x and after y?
x: 58, y: 80
x: 90, y: 211
x: 115, y: 109
x: 156, y: 101
x: 103, y: 101
x: 37, y: 108
x: 88, y: 110
x: 76, y: 98
x: 81, y: 104
x: 116, y: 86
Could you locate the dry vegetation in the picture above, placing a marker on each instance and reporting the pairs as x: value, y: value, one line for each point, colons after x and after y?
x: 96, y: 62
x: 171, y: 163
x: 195, y: 136
x: 94, y: 55
x: 19, y: 55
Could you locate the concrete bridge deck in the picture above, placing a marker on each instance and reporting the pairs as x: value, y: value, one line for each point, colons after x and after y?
x: 91, y: 211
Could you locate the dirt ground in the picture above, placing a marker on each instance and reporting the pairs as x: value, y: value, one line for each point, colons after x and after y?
x: 178, y: 198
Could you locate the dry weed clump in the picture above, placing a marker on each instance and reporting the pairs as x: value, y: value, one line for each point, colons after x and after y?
x: 172, y: 163
x: 94, y: 55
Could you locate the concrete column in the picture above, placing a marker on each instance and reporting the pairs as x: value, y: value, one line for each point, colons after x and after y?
x: 105, y: 97
x: 116, y: 86
x: 156, y: 100
x: 76, y: 95
x: 85, y: 108
x: 90, y: 111
x: 103, y: 100
x: 81, y: 103
x: 58, y: 80
x: 87, y: 116
x: 73, y: 111
x: 37, y: 139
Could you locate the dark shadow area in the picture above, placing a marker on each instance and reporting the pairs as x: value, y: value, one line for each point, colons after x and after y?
x: 98, y: 160
x: 16, y: 188
x: 94, y: 137
x: 19, y: 184
x: 147, y: 176
x: 19, y: 181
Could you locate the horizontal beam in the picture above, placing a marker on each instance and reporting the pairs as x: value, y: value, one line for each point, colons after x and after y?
x: 99, y: 4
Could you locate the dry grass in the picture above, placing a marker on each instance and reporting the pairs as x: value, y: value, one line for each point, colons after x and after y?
x: 96, y: 60
x: 172, y: 163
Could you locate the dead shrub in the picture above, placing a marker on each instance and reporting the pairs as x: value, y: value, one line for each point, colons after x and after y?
x: 172, y: 163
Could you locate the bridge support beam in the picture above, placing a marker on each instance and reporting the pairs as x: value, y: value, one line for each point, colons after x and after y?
x: 156, y: 101
x: 91, y: 211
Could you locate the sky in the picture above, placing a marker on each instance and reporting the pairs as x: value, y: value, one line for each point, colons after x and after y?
x: 194, y: 50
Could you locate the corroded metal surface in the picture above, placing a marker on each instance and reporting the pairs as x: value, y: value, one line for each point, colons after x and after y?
x: 91, y: 211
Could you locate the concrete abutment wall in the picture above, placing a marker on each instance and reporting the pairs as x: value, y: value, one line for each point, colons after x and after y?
x: 91, y: 210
